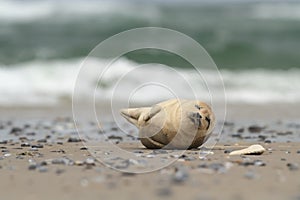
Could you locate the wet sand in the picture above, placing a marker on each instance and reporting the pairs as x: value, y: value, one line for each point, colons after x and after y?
x: 42, y: 157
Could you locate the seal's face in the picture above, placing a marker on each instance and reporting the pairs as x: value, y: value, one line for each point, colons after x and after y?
x: 201, y: 117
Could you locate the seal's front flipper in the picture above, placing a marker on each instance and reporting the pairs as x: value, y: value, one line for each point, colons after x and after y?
x: 154, y: 110
x: 133, y: 114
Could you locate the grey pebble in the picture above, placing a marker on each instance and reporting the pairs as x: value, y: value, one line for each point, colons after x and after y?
x: 42, y: 140
x: 180, y: 176
x: 114, y: 137
x: 43, y: 169
x: 32, y: 166
x: 250, y: 175
x: 39, y: 146
x: 292, y: 166
x: 255, y: 129
x: 298, y: 151
x: 83, y: 148
x: 61, y: 161
x: 71, y: 139
x: 164, y: 192
x: 59, y: 171
x: 90, y: 161
x: 26, y: 144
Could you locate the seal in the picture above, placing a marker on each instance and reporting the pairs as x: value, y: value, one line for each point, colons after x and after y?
x: 172, y: 124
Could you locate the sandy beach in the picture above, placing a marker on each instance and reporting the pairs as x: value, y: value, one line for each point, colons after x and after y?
x: 42, y: 157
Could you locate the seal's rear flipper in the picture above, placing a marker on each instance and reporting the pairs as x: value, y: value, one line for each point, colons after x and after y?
x: 132, y: 114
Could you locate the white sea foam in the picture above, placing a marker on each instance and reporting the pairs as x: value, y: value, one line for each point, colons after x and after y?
x: 52, y: 82
x: 31, y: 10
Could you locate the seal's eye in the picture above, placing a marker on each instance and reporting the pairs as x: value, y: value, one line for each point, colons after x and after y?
x: 208, y: 121
x: 197, y: 106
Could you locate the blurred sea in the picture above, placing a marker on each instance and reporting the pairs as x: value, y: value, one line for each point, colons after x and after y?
x: 255, y: 44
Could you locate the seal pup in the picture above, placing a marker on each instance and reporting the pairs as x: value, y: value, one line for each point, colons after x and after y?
x: 172, y: 124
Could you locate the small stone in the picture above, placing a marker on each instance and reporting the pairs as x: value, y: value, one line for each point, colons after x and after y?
x: 4, y: 151
x: 42, y: 140
x: 15, y: 129
x: 7, y: 155
x: 60, y: 161
x: 39, y: 146
x: 241, y: 130
x: 259, y: 163
x: 71, y: 139
x: 43, y: 169
x: 83, y: 148
x: 250, y: 175
x: 25, y: 144
x: 236, y: 135
x: 114, y: 137
x: 32, y: 166
x: 285, y: 133
x: 298, y: 151
x: 268, y: 141
x: 78, y: 162
x: 181, y: 175
x: 165, y: 191
x: 90, y: 161
x: 123, y: 165
x: 59, y: 171
x: 255, y: 129
x: 227, y: 151
x: 31, y: 133
x: 3, y: 142
x: 292, y: 166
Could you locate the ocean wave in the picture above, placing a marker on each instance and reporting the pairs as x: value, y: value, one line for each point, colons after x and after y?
x: 48, y: 83
x: 32, y: 10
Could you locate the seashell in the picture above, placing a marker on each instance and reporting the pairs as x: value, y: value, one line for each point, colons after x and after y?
x: 255, y: 149
x: 172, y: 124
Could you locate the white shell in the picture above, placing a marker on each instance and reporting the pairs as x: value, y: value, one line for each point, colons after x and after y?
x: 255, y: 149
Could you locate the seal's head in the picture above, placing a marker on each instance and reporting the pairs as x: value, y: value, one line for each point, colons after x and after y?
x: 202, y: 116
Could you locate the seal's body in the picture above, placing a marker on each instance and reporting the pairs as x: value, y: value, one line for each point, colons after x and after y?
x: 172, y: 124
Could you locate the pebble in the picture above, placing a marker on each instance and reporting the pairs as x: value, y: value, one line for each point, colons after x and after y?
x: 25, y: 144
x: 241, y: 130
x: 15, y: 129
x: 43, y: 169
x: 59, y: 171
x: 78, y: 162
x: 165, y: 191
x: 292, y: 166
x: 255, y: 129
x: 259, y: 163
x: 90, y: 161
x: 250, y: 175
x: 71, y: 139
x: 37, y: 146
x: 123, y: 165
x: 32, y: 166
x: 83, y: 148
x: 298, y: 152
x: 61, y: 161
x: 114, y: 137
x: 4, y: 151
x: 42, y: 140
x: 180, y: 176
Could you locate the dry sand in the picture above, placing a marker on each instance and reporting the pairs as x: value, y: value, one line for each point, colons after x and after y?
x: 42, y: 158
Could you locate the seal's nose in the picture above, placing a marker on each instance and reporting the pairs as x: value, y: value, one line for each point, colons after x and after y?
x: 195, y: 118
